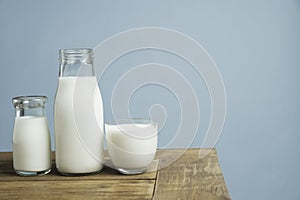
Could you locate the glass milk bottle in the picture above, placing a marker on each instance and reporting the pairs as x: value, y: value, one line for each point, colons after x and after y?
x: 78, y: 115
x: 31, y: 138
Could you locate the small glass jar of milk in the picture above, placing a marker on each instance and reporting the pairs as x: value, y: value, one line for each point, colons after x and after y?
x: 31, y: 138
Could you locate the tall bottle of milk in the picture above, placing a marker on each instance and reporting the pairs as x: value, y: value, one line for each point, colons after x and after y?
x: 78, y: 115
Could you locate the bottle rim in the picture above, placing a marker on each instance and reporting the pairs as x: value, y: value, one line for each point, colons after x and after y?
x: 76, y: 54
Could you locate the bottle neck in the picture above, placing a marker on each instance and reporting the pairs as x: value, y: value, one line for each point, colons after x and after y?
x: 76, y: 62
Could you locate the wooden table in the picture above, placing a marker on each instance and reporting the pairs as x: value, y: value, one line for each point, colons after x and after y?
x: 195, y: 175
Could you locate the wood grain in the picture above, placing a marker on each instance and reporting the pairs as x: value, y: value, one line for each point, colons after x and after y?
x: 7, y: 173
x: 100, y: 189
x: 195, y: 175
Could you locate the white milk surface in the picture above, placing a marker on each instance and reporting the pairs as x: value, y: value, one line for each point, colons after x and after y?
x: 31, y: 144
x: 78, y: 125
x: 131, y: 146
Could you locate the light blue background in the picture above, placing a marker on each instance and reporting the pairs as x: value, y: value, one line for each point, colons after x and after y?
x: 255, y: 44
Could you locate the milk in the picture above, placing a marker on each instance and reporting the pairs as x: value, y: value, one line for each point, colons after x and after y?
x: 131, y: 146
x: 78, y: 114
x: 31, y: 144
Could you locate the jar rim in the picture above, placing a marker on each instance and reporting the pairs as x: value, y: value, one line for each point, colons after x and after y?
x: 31, y: 101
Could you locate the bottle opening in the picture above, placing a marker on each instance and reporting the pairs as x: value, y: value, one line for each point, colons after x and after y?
x: 85, y: 55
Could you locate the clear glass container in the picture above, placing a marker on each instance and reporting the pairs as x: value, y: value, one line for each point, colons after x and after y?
x: 131, y: 144
x: 31, y: 138
x: 78, y: 115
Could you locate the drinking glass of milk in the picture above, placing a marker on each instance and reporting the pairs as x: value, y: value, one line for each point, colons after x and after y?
x: 31, y: 138
x: 131, y: 144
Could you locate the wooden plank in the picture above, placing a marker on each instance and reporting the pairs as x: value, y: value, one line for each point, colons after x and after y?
x: 99, y: 189
x: 7, y: 174
x: 192, y: 176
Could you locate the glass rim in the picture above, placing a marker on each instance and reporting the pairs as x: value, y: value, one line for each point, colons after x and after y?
x: 134, y: 120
